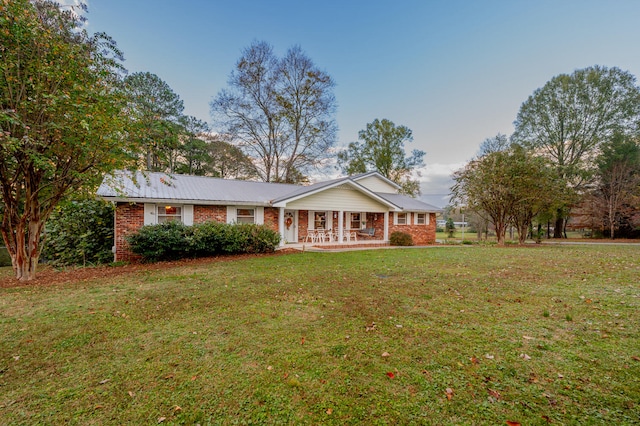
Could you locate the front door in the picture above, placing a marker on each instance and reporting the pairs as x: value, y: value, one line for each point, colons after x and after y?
x: 290, y: 226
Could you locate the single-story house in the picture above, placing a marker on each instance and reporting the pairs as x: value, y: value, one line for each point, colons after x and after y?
x: 348, y: 210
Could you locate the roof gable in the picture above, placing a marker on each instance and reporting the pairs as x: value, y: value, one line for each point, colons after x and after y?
x: 376, y: 182
x: 311, y: 190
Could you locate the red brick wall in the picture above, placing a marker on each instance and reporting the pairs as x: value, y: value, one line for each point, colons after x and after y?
x: 271, y: 218
x: 421, y: 234
x: 303, y: 224
x: 209, y: 213
x: 129, y: 218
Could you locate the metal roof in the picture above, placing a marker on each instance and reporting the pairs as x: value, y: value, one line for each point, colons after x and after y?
x: 163, y: 187
x: 409, y: 204
x: 151, y: 186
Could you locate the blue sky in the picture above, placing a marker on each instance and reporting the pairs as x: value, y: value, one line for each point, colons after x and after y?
x: 455, y: 72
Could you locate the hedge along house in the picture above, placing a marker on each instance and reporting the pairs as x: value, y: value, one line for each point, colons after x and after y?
x: 359, y: 209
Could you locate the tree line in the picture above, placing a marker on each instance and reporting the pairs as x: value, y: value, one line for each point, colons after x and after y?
x: 575, y: 147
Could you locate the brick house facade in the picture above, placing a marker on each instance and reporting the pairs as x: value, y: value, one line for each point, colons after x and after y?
x: 365, y: 207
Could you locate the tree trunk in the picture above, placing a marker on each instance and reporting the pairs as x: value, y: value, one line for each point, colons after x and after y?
x: 23, y: 244
x: 559, y: 226
x: 612, y: 224
x: 501, y: 230
x: 523, y: 231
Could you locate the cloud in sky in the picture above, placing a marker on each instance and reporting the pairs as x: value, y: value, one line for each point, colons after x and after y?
x: 77, y: 7
x: 436, y: 182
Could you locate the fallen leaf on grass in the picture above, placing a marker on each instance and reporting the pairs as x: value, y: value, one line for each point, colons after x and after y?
x: 177, y: 409
x: 511, y: 423
x: 329, y: 411
x: 391, y: 375
x: 528, y: 337
x: 488, y: 356
x: 132, y: 394
x: 194, y: 378
x: 449, y: 392
x: 161, y: 419
x: 547, y: 418
x: 494, y: 393
x: 385, y: 354
x: 105, y: 381
x: 474, y: 360
x: 302, y: 341
x: 525, y: 357
x: 635, y: 358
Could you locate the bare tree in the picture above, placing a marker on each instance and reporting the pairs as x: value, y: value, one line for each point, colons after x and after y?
x: 278, y: 111
x: 618, y: 178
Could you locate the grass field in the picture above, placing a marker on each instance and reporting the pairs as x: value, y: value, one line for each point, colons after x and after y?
x: 443, y: 335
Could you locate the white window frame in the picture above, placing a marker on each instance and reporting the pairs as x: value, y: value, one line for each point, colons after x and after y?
x: 328, y: 219
x: 152, y: 213
x: 396, y: 218
x: 416, y: 218
x: 351, y: 221
x: 244, y: 217
x: 163, y: 216
x: 258, y: 214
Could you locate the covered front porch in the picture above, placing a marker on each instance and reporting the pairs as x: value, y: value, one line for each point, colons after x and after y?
x: 322, y: 227
x: 339, y: 212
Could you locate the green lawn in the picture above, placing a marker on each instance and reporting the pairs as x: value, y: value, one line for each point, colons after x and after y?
x: 442, y: 335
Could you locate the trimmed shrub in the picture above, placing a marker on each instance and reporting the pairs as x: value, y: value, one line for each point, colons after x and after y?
x: 400, y: 239
x: 165, y: 241
x: 172, y: 240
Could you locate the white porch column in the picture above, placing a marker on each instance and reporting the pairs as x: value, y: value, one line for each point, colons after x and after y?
x: 386, y: 226
x: 281, y: 225
x: 340, y: 227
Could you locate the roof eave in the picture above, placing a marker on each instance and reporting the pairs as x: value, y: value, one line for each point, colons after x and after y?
x: 184, y: 201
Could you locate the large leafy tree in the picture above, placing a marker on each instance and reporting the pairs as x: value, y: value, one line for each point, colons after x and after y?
x: 211, y: 155
x: 191, y: 156
x: 567, y: 119
x: 381, y: 148
x: 159, y: 120
x: 278, y: 111
x: 62, y: 118
x: 507, y: 186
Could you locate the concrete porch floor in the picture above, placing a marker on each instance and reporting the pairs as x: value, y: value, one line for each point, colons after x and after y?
x: 332, y: 246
